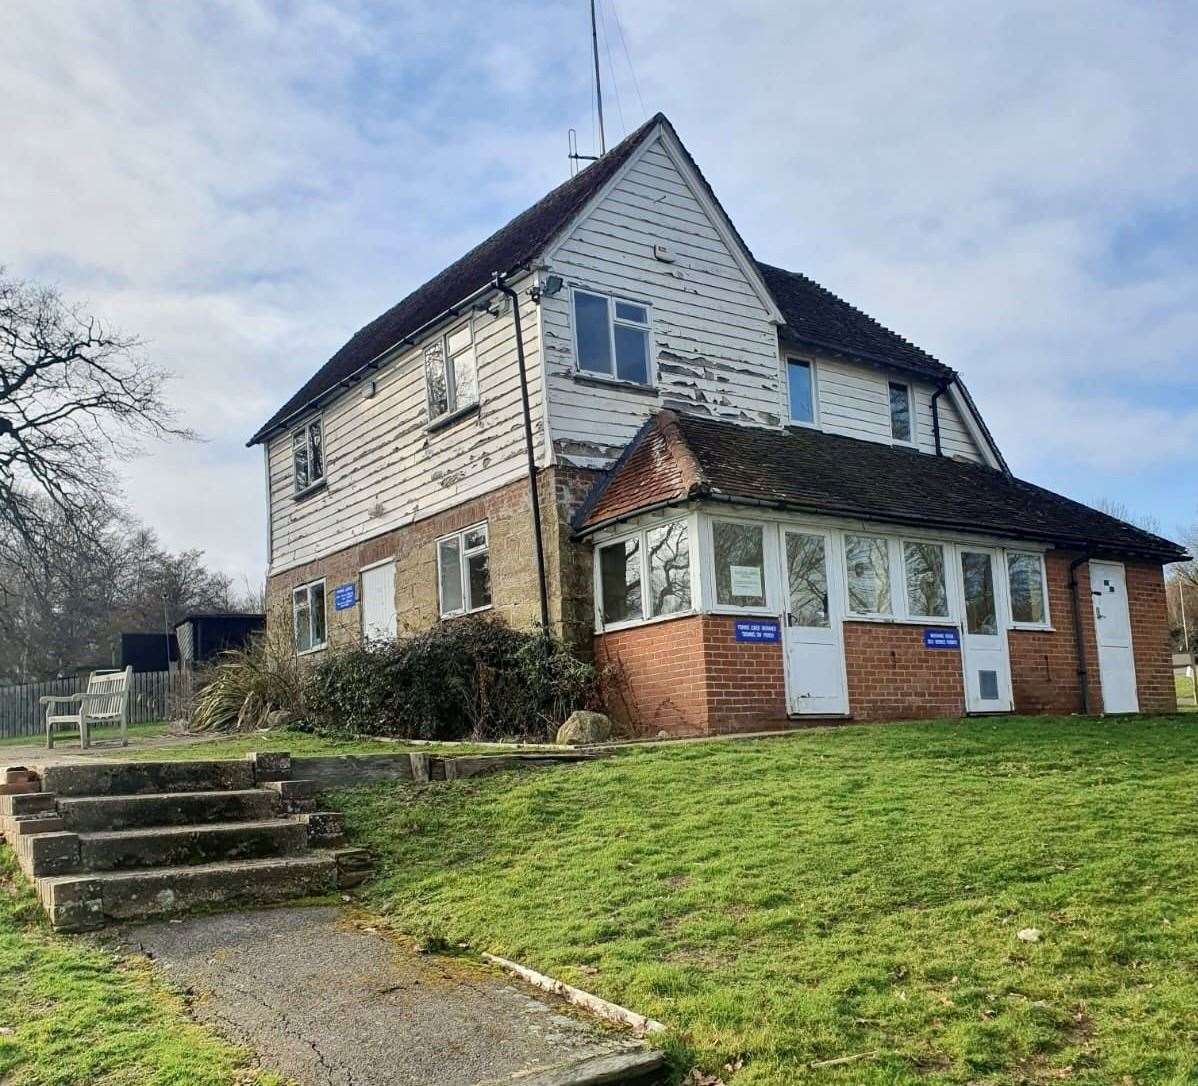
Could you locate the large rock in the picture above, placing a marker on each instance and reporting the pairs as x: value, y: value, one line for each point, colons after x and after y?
x: 583, y: 726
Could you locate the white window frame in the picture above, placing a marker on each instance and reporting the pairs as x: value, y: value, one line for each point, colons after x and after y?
x: 306, y: 430
x: 946, y: 551
x: 612, y: 321
x: 891, y: 547
x: 641, y: 534
x: 769, y: 553
x: 463, y: 555
x: 911, y: 441
x: 1007, y: 552
x: 813, y: 370
x: 307, y: 588
x: 453, y: 407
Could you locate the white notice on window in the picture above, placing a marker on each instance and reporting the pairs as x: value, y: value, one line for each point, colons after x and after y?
x: 746, y: 580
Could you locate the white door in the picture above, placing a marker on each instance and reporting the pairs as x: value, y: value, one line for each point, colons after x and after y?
x: 984, y: 634
x: 815, y: 679
x: 378, y: 602
x: 1112, y: 626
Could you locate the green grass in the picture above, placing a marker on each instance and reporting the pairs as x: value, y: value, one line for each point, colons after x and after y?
x: 842, y: 892
x: 1185, y: 693
x: 75, y: 1014
x: 103, y: 733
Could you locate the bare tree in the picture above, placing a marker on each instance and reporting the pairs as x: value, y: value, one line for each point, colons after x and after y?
x: 74, y: 396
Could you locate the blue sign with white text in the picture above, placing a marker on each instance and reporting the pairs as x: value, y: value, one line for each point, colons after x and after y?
x: 345, y: 596
x: 757, y: 630
x: 941, y: 638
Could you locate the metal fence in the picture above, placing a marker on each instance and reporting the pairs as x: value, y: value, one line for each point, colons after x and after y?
x: 21, y: 712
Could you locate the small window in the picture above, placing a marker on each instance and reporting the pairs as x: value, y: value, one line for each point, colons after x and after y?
x: 307, y: 456
x: 900, y: 411
x: 307, y: 616
x: 647, y: 576
x: 923, y: 568
x: 612, y: 337
x: 739, y: 563
x: 452, y: 373
x: 867, y: 561
x: 1025, y: 573
x: 802, y: 390
x: 464, y: 572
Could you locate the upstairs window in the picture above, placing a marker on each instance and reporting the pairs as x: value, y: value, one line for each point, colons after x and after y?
x: 307, y: 617
x: 452, y: 373
x: 464, y: 572
x: 1025, y: 574
x: 900, y: 411
x: 307, y: 456
x: 801, y: 385
x: 612, y: 337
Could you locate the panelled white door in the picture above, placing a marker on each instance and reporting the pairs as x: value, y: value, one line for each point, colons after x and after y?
x: 812, y: 631
x: 1112, y: 627
x: 378, y: 602
x: 984, y: 633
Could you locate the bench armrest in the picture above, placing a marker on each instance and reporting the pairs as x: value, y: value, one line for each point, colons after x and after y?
x: 49, y: 699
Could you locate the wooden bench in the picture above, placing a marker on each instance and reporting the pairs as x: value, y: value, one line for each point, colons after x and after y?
x: 105, y: 701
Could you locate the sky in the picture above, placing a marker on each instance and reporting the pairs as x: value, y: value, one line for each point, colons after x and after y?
x: 243, y: 184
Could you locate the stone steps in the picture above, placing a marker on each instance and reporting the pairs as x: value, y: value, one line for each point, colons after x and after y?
x: 119, y: 840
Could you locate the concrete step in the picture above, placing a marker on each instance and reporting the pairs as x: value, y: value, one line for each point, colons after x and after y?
x: 85, y: 902
x: 140, y: 778
x: 173, y: 846
x: 90, y: 813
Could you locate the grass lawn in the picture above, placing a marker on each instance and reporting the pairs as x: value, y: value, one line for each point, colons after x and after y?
x: 74, y: 1014
x: 842, y: 892
x: 139, y: 731
x: 1185, y: 693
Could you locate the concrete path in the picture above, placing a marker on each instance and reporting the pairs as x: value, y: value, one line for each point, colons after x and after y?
x: 332, y: 1004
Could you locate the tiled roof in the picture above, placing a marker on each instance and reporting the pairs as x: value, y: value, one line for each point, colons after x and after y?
x: 512, y: 247
x: 676, y: 458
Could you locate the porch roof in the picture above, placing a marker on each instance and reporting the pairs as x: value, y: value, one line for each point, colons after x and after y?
x: 681, y: 458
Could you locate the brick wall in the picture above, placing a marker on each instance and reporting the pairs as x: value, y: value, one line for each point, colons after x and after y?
x: 746, y: 686
x: 1150, y: 638
x: 892, y: 676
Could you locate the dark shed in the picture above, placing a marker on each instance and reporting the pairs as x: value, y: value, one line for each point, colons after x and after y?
x: 203, y: 636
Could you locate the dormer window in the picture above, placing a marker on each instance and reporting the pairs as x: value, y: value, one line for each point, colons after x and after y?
x: 307, y: 456
x: 452, y: 373
x: 900, y: 412
x: 612, y: 337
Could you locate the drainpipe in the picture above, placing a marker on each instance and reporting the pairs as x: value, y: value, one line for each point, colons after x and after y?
x: 497, y: 281
x: 941, y: 389
x: 1083, y: 672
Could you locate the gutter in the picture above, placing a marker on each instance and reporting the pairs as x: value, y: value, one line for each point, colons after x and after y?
x: 1083, y: 671
x: 941, y: 389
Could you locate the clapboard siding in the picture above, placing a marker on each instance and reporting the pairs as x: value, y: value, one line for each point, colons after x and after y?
x: 714, y: 347
x: 384, y: 470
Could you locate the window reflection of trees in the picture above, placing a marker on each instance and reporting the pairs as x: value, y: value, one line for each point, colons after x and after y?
x: 978, y: 577
x: 737, y: 545
x: 669, y: 569
x: 926, y: 595
x: 808, y: 573
x: 869, y: 579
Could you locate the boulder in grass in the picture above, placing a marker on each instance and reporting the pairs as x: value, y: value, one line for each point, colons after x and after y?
x: 583, y: 726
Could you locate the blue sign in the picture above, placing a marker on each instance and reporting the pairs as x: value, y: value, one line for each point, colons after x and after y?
x: 757, y: 630
x: 941, y: 638
x: 345, y: 596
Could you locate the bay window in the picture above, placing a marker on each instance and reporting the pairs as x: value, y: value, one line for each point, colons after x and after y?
x: 739, y: 551
x: 612, y: 337
x: 307, y: 617
x: 867, y: 563
x: 647, y: 575
x: 1025, y: 575
x: 464, y: 572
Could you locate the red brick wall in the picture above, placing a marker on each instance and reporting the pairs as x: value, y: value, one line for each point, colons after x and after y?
x: 892, y: 676
x: 1044, y: 663
x: 1150, y: 637
x: 746, y: 686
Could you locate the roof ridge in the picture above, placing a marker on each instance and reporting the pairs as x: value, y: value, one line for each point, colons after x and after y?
x: 689, y: 468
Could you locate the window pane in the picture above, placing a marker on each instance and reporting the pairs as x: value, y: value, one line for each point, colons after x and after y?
x: 317, y: 607
x: 632, y: 354
x: 315, y: 452
x: 438, y: 392
x: 592, y: 328
x: 900, y: 411
x: 866, y: 558
x: 301, y: 620
x: 299, y: 453
x: 478, y: 572
x: 669, y: 569
x: 807, y: 574
x: 802, y: 403
x: 459, y: 340
x: 1027, y: 587
x: 465, y: 379
x: 739, y: 563
x: 924, y: 570
x: 977, y: 573
x: 475, y: 537
x: 620, y: 580
x: 450, y: 567
x: 626, y: 311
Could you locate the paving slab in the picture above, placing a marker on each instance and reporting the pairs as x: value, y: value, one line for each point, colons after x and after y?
x: 322, y: 999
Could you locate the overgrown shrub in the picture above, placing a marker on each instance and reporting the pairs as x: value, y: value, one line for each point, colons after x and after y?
x: 471, y: 678
x: 246, y: 685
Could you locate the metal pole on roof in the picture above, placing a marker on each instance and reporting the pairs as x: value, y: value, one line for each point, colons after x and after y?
x: 598, y: 85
